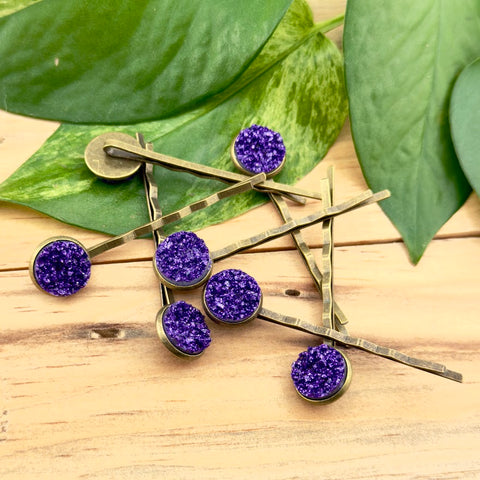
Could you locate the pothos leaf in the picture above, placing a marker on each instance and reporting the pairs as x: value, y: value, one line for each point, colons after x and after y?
x: 127, y: 61
x: 295, y: 86
x: 7, y: 7
x: 401, y: 59
x: 465, y: 122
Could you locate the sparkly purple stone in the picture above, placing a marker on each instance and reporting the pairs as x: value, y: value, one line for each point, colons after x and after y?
x: 232, y: 296
x: 319, y: 372
x: 185, y: 327
x: 183, y: 258
x: 259, y: 149
x: 62, y: 268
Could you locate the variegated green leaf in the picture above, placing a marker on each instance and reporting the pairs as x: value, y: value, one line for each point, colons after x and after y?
x: 8, y: 7
x: 295, y: 87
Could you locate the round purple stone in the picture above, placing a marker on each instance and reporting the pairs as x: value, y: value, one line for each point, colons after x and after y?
x: 259, y: 149
x: 183, y: 259
x: 62, y: 268
x: 232, y: 296
x: 185, y: 327
x: 319, y: 373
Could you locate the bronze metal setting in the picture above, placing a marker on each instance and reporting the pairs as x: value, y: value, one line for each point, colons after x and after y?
x: 238, y: 164
x: 106, y: 167
x: 233, y: 324
x: 175, y: 286
x: 337, y: 394
x: 166, y: 341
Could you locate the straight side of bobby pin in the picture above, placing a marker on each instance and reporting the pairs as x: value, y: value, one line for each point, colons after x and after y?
x: 366, y: 198
x: 154, y: 212
x: 360, y: 343
x: 175, y: 216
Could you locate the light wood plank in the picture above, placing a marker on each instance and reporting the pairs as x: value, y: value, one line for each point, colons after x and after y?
x: 106, y: 407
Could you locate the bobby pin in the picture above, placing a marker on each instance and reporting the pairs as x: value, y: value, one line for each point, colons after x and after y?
x: 340, y: 318
x: 327, y: 253
x: 362, y: 200
x: 154, y: 210
x: 233, y: 297
x: 360, y: 343
x: 103, y: 153
x: 180, y: 326
x: 61, y: 265
x: 323, y: 373
x: 183, y: 260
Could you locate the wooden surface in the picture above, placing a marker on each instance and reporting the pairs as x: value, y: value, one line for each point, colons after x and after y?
x: 88, y: 391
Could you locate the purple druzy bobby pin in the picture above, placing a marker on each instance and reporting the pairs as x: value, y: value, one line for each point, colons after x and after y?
x: 185, y: 329
x: 183, y: 260
x: 232, y: 296
x: 258, y: 149
x: 61, y: 267
x: 320, y: 372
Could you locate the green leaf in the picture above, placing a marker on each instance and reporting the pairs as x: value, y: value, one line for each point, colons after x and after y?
x: 8, y: 7
x: 401, y: 58
x: 126, y: 61
x: 295, y: 86
x: 465, y: 122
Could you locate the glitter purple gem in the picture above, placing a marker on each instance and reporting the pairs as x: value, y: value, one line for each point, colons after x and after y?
x: 319, y: 372
x: 259, y: 149
x: 232, y: 296
x: 62, y: 268
x: 183, y: 259
x: 185, y: 327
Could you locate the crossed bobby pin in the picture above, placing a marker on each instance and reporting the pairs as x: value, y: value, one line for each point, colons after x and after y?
x: 61, y: 266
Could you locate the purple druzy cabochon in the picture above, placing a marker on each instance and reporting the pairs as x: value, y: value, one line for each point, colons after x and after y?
x: 62, y: 268
x: 259, y: 149
x: 183, y: 258
x: 319, y: 372
x: 232, y: 296
x: 185, y: 327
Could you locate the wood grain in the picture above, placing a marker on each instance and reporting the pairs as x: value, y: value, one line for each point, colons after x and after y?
x: 88, y: 391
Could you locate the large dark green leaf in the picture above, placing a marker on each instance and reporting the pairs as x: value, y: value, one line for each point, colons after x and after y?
x: 401, y: 59
x: 295, y: 86
x: 127, y: 60
x: 465, y: 122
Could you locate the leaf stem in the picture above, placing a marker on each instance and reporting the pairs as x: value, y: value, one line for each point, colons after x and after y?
x: 330, y: 24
